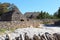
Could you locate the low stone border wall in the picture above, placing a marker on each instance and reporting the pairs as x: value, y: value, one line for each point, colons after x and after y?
x: 16, y: 24
x: 45, y: 36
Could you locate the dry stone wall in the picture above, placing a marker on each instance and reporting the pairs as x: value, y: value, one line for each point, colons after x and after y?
x: 17, y: 24
x: 45, y: 36
x: 22, y: 24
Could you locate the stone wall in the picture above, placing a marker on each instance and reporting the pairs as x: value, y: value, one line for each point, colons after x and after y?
x: 45, y: 36
x: 23, y: 24
x: 16, y: 24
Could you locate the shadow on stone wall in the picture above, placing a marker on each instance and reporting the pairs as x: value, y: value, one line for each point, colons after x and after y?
x: 6, y: 16
x: 57, y: 23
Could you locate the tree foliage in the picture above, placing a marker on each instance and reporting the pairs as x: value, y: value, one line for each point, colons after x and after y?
x: 6, y: 7
x: 57, y: 14
x: 44, y: 15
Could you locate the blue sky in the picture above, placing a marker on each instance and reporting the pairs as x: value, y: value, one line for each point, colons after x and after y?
x: 50, y: 6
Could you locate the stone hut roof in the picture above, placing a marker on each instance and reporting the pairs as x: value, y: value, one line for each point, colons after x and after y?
x: 29, y: 14
x: 14, y: 15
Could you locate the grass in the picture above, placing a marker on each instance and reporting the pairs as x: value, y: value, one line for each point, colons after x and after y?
x: 11, y: 29
x: 2, y: 30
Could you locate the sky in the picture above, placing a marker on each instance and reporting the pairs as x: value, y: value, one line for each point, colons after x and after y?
x: 50, y: 6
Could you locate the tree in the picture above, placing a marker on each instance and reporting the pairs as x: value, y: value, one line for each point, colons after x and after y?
x: 55, y: 15
x: 6, y: 7
x: 43, y: 15
x: 40, y: 15
x: 58, y: 13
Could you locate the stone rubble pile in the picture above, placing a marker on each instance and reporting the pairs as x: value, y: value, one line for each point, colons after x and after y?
x: 32, y: 34
x: 45, y: 36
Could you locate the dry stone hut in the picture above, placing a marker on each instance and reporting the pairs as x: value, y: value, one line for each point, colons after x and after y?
x: 14, y: 15
x: 31, y: 15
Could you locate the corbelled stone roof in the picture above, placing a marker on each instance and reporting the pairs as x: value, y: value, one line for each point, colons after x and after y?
x: 14, y: 15
x: 29, y: 14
